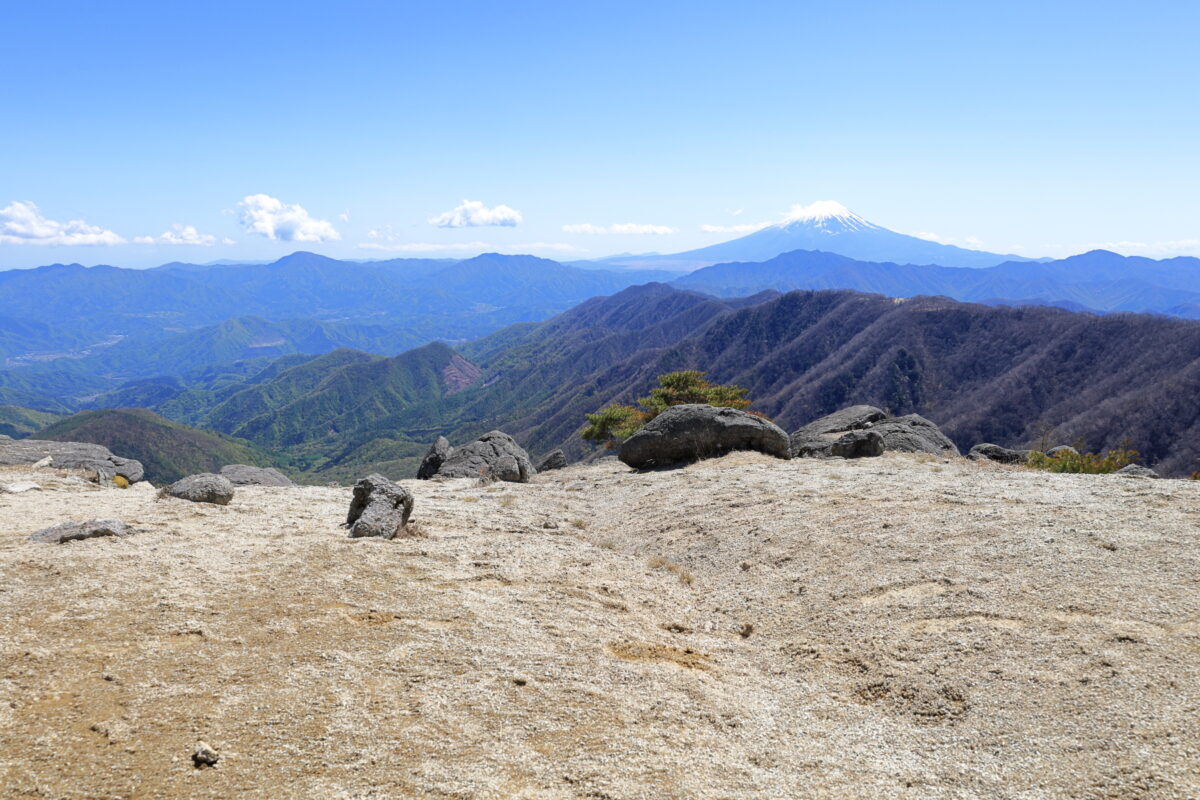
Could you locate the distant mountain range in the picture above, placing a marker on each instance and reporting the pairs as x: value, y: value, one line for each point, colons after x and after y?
x: 829, y: 227
x: 1096, y: 281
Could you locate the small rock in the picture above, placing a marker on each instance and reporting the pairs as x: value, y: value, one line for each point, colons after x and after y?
x: 203, y: 488
x: 246, y: 475
x: 72, y: 531
x: 45, y: 462
x: 550, y: 525
x: 205, y: 756
x: 379, y: 508
x: 23, y: 486
x: 555, y: 459
x: 1136, y: 471
x: 1062, y: 450
x: 994, y: 452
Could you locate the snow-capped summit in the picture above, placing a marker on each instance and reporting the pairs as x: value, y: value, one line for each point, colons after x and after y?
x: 828, y: 215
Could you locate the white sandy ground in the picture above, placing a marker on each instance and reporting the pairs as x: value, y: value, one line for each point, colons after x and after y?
x: 739, y: 628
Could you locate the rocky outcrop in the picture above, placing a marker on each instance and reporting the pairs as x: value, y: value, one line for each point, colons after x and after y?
x: 694, y: 431
x: 495, y: 455
x: 851, y: 444
x: 1136, y: 471
x: 994, y: 452
x: 908, y: 434
x: 379, y: 508
x: 93, y: 458
x: 913, y: 433
x: 853, y: 418
x: 203, y: 488
x: 74, y: 531
x: 435, y: 456
x: 555, y: 459
x: 246, y: 475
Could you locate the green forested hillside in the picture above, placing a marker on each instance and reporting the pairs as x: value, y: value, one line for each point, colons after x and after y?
x: 167, y: 450
x: 17, y: 422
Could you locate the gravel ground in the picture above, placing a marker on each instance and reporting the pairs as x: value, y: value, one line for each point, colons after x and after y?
x: 744, y: 627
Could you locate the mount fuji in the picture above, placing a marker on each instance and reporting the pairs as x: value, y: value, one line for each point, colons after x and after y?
x: 830, y: 227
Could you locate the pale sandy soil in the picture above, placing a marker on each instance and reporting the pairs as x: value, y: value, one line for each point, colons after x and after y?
x: 740, y: 628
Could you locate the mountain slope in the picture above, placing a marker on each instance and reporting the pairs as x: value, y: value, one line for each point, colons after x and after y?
x: 1006, y: 375
x: 17, y: 422
x: 167, y: 450
x: 833, y: 228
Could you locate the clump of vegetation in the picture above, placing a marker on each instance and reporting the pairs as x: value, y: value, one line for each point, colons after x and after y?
x: 1195, y: 476
x: 616, y: 423
x: 1083, y: 462
x: 658, y: 562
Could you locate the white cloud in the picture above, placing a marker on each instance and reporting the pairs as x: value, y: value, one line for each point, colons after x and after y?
x: 558, y: 247
x: 474, y: 214
x: 272, y: 218
x: 344, y: 216
x: 970, y: 242
x: 620, y: 228
x: 182, y: 234
x: 23, y: 223
x: 424, y: 247
x: 747, y: 227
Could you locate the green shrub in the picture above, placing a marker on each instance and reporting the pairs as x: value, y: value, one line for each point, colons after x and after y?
x: 616, y: 423
x: 1087, y: 463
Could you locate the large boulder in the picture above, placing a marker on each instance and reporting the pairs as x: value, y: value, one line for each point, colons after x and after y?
x: 851, y: 444
x: 1136, y: 471
x: 494, y: 455
x: 908, y: 434
x: 72, y: 531
x: 435, y: 456
x: 246, y: 475
x: 913, y: 433
x: 694, y: 431
x: 848, y: 419
x: 70, y: 455
x: 555, y: 459
x: 986, y: 451
x: 203, y: 488
x: 379, y: 508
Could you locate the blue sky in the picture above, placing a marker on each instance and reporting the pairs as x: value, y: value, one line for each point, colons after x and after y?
x: 587, y: 130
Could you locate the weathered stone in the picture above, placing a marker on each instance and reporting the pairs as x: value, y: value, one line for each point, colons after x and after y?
x: 246, y: 475
x: 203, y: 488
x: 848, y: 419
x: 1062, y: 450
x: 913, y: 433
x: 555, y: 459
x: 205, y: 756
x: 994, y: 452
x: 379, y: 507
x: 1136, y: 471
x: 435, y: 456
x: 72, y: 531
x: 495, y: 455
x: 851, y: 444
x: 70, y: 455
x: 694, y: 431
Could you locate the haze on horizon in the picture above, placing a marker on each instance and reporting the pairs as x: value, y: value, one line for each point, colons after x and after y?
x: 140, y: 134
